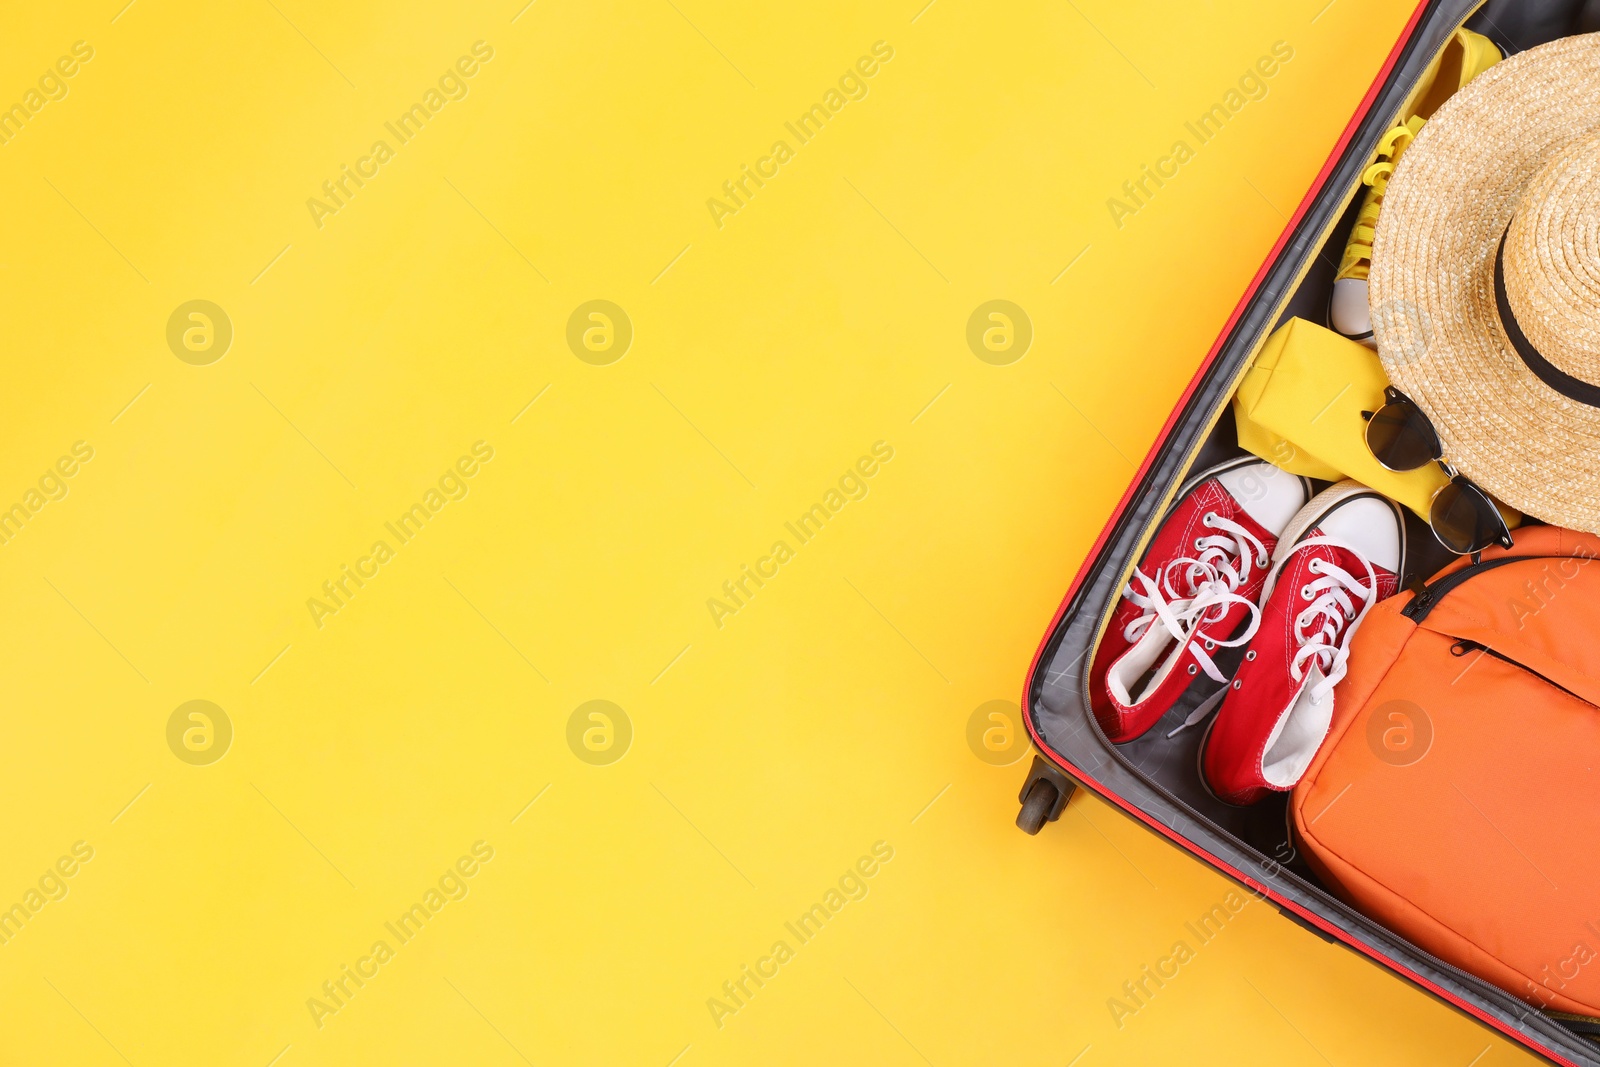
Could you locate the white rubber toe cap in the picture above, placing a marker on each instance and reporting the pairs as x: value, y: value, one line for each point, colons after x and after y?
x: 1348, y: 312
x: 1267, y: 494
x: 1362, y: 518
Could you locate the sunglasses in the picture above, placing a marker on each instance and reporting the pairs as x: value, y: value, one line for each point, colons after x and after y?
x: 1463, y: 517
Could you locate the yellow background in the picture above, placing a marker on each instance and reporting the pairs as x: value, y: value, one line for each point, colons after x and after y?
x: 767, y: 755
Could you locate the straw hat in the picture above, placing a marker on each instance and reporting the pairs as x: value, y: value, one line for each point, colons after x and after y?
x: 1485, y: 284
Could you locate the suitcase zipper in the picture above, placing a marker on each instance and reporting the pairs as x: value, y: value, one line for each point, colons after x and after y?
x: 1586, y: 1025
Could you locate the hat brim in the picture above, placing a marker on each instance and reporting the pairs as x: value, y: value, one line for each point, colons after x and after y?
x: 1431, y: 286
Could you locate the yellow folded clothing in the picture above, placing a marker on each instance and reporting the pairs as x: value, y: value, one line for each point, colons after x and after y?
x: 1300, y: 407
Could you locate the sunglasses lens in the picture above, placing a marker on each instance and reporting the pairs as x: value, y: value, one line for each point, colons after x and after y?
x: 1464, y: 519
x: 1401, y: 437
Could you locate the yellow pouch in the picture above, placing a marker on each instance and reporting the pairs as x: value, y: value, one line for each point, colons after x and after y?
x: 1300, y: 407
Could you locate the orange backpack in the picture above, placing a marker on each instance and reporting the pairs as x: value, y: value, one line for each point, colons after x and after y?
x: 1456, y: 799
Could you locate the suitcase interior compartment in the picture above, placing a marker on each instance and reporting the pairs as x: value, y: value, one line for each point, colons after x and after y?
x: 1158, y: 777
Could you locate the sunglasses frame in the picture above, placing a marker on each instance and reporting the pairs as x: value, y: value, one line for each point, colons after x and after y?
x: 1484, y: 503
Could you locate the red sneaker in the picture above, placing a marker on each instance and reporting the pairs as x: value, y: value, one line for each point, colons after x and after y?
x: 1194, y: 589
x: 1342, y: 554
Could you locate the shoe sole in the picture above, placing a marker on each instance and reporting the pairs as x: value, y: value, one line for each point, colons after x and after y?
x: 1200, y: 768
x: 1200, y: 762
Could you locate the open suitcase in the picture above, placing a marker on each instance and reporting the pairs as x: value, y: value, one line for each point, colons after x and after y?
x: 1154, y: 778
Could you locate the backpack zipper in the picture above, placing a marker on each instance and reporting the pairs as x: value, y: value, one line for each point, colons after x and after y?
x: 1467, y: 646
x: 1429, y: 595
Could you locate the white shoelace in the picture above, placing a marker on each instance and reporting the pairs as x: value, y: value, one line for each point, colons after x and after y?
x: 1208, y: 584
x: 1328, y: 645
x: 1324, y: 627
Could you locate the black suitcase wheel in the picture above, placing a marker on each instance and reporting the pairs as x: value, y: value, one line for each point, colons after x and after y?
x: 1036, y: 805
x: 1044, y: 795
